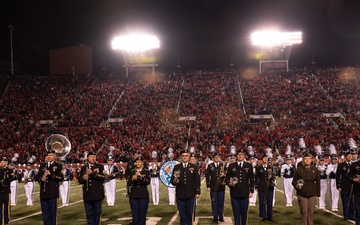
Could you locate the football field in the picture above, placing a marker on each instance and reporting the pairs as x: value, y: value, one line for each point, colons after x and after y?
x: 163, y: 213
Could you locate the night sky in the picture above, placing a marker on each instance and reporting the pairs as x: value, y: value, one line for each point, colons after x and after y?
x: 203, y: 34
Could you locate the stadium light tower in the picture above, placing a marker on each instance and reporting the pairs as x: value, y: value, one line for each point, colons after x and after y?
x: 136, y: 50
x: 275, y: 47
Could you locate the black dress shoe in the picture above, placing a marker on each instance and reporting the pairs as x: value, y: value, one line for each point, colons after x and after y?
x: 221, y: 220
x: 263, y: 219
x: 215, y: 221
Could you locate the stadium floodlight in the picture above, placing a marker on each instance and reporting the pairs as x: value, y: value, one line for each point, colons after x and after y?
x: 135, y: 42
x: 275, y: 38
x: 275, y: 47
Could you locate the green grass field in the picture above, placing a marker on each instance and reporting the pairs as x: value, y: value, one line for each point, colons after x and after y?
x: 163, y: 213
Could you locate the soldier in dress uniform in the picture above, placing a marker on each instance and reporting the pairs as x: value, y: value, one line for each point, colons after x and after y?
x: 171, y: 190
x: 92, y: 177
x: 131, y: 165
x: 343, y: 185
x: 186, y: 178
x: 29, y: 184
x: 14, y: 184
x: 355, y: 179
x: 6, y: 176
x: 287, y: 172
x: 240, y: 179
x: 139, y: 179
x: 215, y: 183
x: 64, y: 188
x: 264, y: 184
x: 49, y: 177
x: 331, y: 172
x: 306, y: 181
x: 323, y: 180
x: 154, y: 169
x: 111, y: 171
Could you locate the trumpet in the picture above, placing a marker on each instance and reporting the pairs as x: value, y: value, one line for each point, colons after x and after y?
x: 271, y: 177
x: 86, y: 176
x: 233, y: 181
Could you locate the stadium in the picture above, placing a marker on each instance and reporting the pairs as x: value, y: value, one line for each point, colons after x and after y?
x: 144, y: 106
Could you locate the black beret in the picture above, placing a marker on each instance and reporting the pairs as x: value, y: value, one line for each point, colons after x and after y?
x: 184, y: 151
x: 50, y: 151
x: 240, y: 151
x: 91, y: 153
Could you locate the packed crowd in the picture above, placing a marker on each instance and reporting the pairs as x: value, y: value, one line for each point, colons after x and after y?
x: 148, y: 108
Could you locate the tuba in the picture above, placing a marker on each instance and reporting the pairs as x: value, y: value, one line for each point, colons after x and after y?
x: 58, y: 143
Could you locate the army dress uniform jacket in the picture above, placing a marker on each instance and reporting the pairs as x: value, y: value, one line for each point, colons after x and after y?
x: 213, y: 179
x: 245, y: 179
x: 93, y: 188
x: 262, y: 181
x: 6, y: 176
x: 355, y: 173
x: 343, y: 176
x: 50, y: 187
x: 189, y: 180
x: 311, y: 181
x: 139, y: 186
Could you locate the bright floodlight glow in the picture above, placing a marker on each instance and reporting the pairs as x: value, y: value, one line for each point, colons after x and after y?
x: 135, y: 42
x: 276, y: 38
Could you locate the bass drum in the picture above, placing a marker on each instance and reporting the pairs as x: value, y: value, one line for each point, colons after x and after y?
x: 166, y: 171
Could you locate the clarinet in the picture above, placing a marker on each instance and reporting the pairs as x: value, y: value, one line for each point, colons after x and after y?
x: 45, y: 176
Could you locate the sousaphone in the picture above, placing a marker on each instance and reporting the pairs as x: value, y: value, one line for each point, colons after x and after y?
x: 58, y: 143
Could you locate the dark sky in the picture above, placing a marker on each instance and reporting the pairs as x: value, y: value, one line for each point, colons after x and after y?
x: 202, y: 33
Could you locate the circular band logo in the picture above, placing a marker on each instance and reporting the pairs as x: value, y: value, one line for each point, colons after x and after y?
x: 166, y: 171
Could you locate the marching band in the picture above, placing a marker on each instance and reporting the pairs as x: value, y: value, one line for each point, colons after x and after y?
x: 245, y: 174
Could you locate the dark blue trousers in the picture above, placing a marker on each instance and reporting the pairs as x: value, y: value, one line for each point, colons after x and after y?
x: 265, y: 206
x: 139, y: 208
x: 240, y: 210
x: 217, y: 204
x: 93, y: 212
x: 49, y: 209
x: 357, y: 209
x: 186, y: 210
x: 5, y: 210
x: 348, y: 205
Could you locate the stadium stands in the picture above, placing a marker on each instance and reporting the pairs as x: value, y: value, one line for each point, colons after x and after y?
x: 145, y: 112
